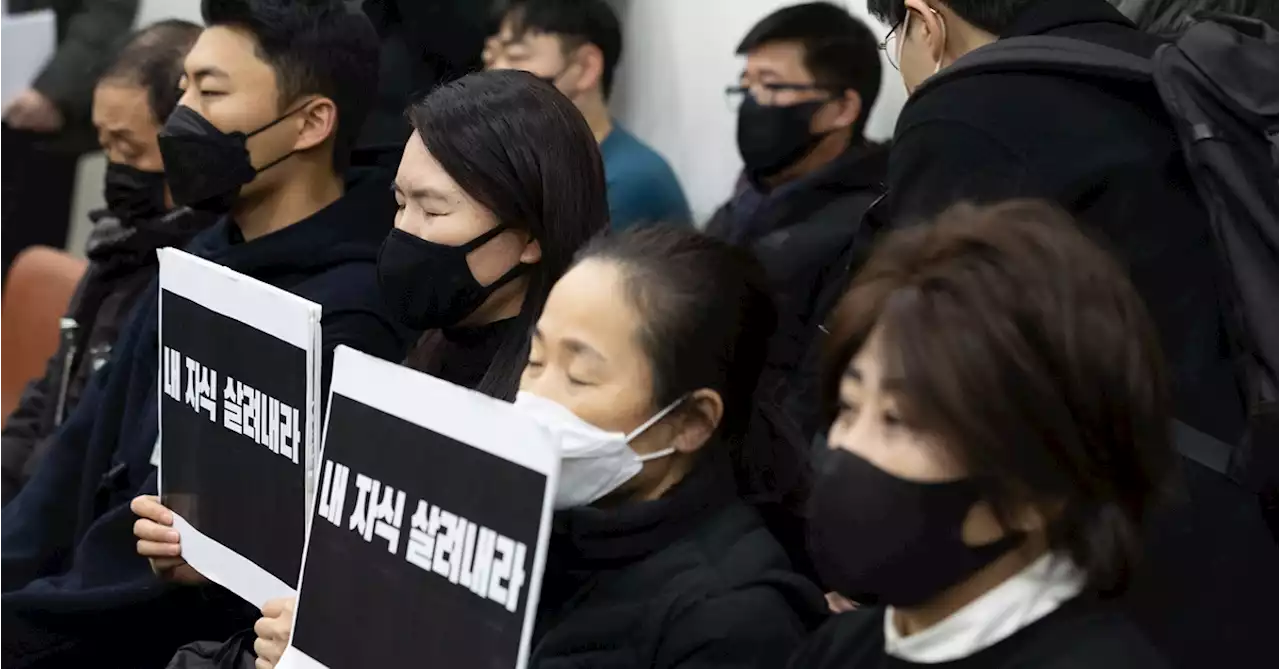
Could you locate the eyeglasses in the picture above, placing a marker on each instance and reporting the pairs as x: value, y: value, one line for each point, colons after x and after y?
x: 766, y: 94
x: 891, y: 44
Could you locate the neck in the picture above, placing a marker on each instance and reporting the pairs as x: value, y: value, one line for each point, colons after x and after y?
x: 826, y: 151
x: 911, y: 620
x: 962, y: 39
x: 299, y: 197
x: 596, y: 111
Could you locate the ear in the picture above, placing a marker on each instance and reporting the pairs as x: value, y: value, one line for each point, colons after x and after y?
x: 844, y: 111
x: 532, y: 252
x: 591, y: 61
x: 697, y: 420
x: 927, y: 26
x: 319, y: 121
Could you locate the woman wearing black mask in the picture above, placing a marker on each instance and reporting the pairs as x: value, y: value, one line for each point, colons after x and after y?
x: 488, y: 219
x: 131, y: 100
x: 1000, y: 436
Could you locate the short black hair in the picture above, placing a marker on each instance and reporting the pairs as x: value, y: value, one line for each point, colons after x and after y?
x: 152, y: 58
x: 523, y: 151
x: 575, y: 22
x: 839, y: 50
x: 315, y: 47
x: 993, y: 16
x: 1024, y: 350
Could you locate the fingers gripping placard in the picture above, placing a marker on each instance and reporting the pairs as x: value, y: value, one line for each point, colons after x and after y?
x: 239, y: 409
x: 430, y: 526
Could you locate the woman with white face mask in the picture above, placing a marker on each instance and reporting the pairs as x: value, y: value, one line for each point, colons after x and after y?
x: 644, y: 364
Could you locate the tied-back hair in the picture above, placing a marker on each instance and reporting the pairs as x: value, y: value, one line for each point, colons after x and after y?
x: 707, y: 316
x: 1027, y: 354
x: 522, y: 150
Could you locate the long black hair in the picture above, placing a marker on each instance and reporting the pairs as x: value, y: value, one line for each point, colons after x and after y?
x: 522, y: 150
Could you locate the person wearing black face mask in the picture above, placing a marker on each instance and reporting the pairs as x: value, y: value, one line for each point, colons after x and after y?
x: 130, y: 100
x: 811, y: 78
x: 1001, y: 437
x: 487, y: 220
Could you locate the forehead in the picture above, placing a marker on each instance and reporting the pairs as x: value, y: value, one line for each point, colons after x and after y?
x: 527, y: 37
x: 419, y: 170
x: 119, y: 104
x: 588, y: 304
x: 233, y: 51
x: 784, y: 59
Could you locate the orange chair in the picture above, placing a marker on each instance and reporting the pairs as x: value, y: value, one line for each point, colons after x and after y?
x: 36, y: 293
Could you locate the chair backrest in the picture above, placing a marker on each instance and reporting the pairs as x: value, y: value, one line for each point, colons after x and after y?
x: 36, y: 293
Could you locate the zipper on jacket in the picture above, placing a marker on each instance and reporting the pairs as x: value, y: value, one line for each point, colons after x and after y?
x: 69, y: 327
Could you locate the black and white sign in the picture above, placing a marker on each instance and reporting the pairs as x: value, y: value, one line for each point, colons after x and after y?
x: 430, y: 527
x: 239, y: 400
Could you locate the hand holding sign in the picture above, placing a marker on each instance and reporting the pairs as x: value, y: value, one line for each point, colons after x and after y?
x: 273, y: 630
x: 160, y: 543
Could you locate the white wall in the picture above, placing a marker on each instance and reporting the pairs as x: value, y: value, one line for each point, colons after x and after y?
x: 677, y: 59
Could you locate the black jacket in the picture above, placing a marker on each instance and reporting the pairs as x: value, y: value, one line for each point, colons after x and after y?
x: 688, y: 581
x: 1079, y: 635
x: 806, y: 234
x: 1108, y: 153
x: 122, y: 264
x: 74, y: 585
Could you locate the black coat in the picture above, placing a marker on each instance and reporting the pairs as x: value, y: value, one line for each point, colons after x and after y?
x: 122, y: 264
x: 1078, y: 635
x: 689, y: 581
x: 805, y: 234
x: 74, y: 585
x: 1105, y: 151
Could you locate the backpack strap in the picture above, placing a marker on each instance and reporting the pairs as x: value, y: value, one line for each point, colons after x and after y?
x: 1045, y: 53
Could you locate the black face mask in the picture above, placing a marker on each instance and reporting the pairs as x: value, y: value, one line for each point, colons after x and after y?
x: 430, y: 286
x: 772, y: 139
x: 877, y: 538
x: 206, y: 167
x: 134, y: 195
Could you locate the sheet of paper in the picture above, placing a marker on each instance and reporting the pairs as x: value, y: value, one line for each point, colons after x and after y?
x: 27, y: 42
x: 429, y: 533
x: 239, y: 387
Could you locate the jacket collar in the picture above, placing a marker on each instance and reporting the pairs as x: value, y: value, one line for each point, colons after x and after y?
x: 1050, y: 15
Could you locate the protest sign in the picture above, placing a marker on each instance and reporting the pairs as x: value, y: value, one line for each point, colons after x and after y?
x: 239, y: 414
x: 429, y: 532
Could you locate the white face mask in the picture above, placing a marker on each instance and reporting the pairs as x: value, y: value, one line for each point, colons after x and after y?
x: 593, y: 462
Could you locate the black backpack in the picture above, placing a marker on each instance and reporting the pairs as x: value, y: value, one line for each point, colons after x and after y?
x: 1218, y: 83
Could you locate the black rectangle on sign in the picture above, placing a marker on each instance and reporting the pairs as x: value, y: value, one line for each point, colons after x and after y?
x: 226, y: 483
x: 363, y: 603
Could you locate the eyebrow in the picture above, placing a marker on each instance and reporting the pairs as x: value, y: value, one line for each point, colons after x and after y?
x: 210, y: 71
x: 421, y: 193
x: 574, y: 346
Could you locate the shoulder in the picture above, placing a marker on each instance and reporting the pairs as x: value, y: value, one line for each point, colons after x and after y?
x: 848, y: 639
x: 1080, y: 634
x: 631, y: 163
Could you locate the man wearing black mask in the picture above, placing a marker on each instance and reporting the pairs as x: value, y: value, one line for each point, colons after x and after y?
x: 811, y: 78
x: 131, y: 101
x: 274, y: 93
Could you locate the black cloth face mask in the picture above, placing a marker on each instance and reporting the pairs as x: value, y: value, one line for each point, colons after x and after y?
x: 771, y: 139
x: 206, y: 167
x: 133, y: 195
x: 877, y: 538
x: 428, y: 286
